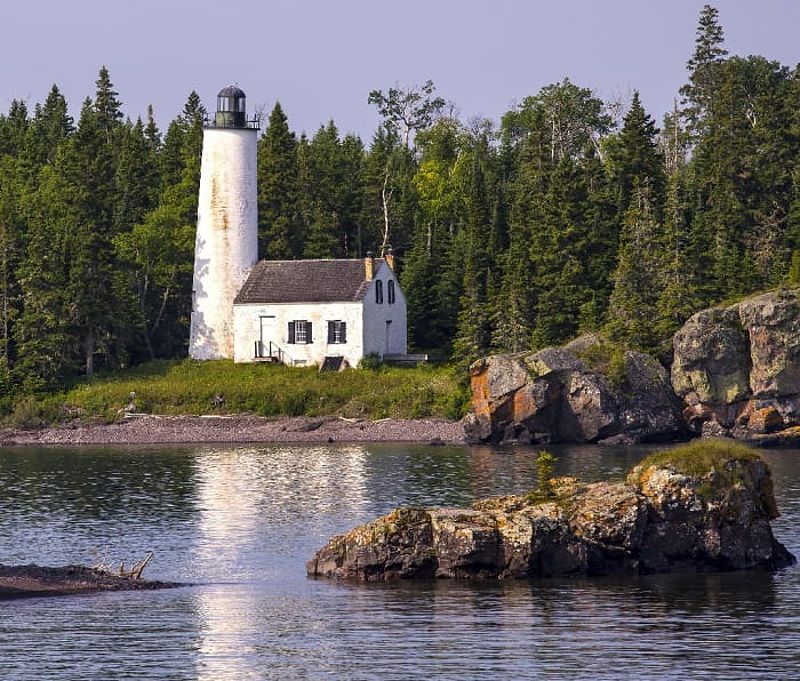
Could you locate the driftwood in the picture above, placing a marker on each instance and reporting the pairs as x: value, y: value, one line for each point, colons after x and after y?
x: 134, y: 573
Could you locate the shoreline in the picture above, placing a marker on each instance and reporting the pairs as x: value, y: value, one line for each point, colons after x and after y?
x: 141, y: 429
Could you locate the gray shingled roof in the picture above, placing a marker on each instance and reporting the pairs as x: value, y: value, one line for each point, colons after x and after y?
x: 306, y: 281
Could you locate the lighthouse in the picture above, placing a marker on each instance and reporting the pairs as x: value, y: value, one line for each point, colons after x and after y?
x: 226, y: 245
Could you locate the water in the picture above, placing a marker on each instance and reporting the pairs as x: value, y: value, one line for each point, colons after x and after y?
x: 241, y: 522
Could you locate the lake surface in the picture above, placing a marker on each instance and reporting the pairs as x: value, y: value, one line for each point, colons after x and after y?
x: 240, y: 522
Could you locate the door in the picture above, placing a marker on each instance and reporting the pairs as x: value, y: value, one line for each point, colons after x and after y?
x: 267, y: 335
x: 387, y: 346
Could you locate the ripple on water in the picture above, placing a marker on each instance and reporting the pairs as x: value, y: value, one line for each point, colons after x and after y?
x: 241, y: 522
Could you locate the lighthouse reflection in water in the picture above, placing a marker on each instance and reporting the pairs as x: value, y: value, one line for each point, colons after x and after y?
x: 239, y: 492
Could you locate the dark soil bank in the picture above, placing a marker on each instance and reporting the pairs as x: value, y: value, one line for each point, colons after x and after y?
x: 25, y: 581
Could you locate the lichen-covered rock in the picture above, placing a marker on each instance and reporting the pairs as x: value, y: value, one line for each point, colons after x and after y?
x: 738, y: 368
x: 554, y: 396
x: 711, y: 363
x: 700, y: 510
x: 772, y: 323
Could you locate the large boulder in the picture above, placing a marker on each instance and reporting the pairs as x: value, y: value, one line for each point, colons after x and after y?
x: 738, y: 368
x: 555, y: 395
x: 704, y: 507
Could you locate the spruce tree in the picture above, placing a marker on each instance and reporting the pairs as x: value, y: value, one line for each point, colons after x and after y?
x: 559, y: 253
x: 277, y: 189
x: 46, y: 347
x: 638, y: 279
x: 325, y: 239
x: 473, y: 334
x: 699, y: 94
x: 636, y: 159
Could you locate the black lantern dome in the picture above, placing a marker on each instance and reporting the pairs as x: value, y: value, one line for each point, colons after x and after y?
x: 231, y: 111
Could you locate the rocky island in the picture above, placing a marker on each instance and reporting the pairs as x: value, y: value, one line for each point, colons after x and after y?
x: 700, y: 507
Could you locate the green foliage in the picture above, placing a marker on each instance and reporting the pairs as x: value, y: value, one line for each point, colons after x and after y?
x: 30, y: 412
x: 607, y: 358
x: 506, y: 237
x: 371, y: 362
x: 277, y: 189
x: 545, y: 467
x: 407, y: 109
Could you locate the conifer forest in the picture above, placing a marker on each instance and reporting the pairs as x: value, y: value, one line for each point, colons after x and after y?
x: 568, y: 215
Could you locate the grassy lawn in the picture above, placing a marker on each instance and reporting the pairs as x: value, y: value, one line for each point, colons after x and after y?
x: 222, y: 387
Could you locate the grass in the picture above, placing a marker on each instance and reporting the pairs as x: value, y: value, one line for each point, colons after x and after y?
x: 699, y: 457
x: 222, y: 387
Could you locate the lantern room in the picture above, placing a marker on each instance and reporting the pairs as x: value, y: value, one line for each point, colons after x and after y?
x: 231, y: 110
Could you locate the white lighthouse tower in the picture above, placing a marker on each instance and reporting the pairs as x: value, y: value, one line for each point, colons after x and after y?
x: 226, y: 246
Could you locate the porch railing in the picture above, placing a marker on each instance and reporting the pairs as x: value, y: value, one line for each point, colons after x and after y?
x: 271, y: 351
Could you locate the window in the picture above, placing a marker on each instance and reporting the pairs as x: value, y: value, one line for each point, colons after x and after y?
x: 378, y: 291
x: 390, y: 291
x: 300, y: 332
x: 337, y: 332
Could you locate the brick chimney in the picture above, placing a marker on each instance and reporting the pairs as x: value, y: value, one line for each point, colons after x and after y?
x: 389, y: 257
x: 369, y: 267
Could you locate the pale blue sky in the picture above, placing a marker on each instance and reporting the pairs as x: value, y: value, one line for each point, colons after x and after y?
x: 321, y: 58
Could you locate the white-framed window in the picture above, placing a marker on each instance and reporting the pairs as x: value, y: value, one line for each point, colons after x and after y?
x: 379, y: 291
x: 300, y: 332
x: 390, y: 291
x: 337, y: 332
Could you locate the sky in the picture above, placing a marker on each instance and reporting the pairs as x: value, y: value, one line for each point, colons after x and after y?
x: 321, y: 58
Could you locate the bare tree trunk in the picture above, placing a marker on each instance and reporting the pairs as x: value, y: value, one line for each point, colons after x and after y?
x: 88, y: 348
x: 386, y: 195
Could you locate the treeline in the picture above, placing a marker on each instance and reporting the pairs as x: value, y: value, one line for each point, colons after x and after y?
x: 561, y: 218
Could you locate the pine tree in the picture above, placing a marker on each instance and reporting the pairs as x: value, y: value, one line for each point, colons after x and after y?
x: 699, y: 94
x: 46, y: 347
x: 636, y: 159
x: 349, y: 195
x: 87, y: 167
x: 379, y: 186
x: 277, y: 189
x: 324, y: 239
x: 512, y: 312
x: 638, y: 280
x: 50, y: 124
x: 13, y: 128
x: 679, y: 297
x: 473, y: 334
x: 108, y: 108
x: 559, y: 253
x: 419, y: 277
x: 433, y: 274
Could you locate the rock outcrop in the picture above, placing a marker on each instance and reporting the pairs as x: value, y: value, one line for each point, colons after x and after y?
x: 697, y: 512
x: 738, y: 369
x: 554, y: 395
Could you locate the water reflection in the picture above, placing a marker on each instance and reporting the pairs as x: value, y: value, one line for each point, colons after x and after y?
x: 240, y: 522
x: 241, y: 494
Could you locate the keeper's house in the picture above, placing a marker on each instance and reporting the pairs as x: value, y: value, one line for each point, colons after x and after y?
x: 314, y: 312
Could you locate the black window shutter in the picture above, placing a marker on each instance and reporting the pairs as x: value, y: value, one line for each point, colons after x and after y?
x: 309, y: 336
x: 331, y: 332
x: 343, y: 333
x: 291, y: 332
